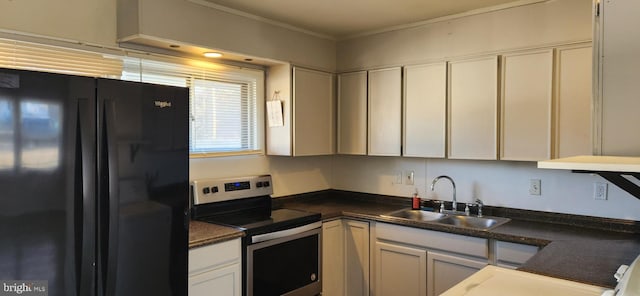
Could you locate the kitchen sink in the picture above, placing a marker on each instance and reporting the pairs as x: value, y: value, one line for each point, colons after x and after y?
x: 473, y: 222
x: 481, y: 223
x: 418, y: 215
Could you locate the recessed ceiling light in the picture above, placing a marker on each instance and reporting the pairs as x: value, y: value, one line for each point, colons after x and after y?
x: 248, y: 60
x: 212, y: 54
x: 174, y: 46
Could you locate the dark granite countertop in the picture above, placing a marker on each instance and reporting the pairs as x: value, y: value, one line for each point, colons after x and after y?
x: 202, y: 234
x: 569, y: 251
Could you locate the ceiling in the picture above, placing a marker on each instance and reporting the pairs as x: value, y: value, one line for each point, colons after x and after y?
x: 342, y: 18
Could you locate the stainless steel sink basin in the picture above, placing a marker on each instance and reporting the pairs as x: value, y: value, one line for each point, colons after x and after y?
x: 473, y: 222
x: 417, y: 215
x: 481, y: 223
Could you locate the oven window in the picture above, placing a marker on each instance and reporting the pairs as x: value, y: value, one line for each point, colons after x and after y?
x: 287, y: 266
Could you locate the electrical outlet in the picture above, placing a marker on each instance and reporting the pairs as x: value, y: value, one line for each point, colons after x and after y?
x: 599, y: 191
x: 408, y: 178
x: 535, y: 187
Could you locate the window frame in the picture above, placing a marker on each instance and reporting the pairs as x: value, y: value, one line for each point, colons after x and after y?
x: 249, y: 117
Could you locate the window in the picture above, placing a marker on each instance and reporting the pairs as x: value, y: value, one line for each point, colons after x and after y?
x: 226, y: 102
x: 223, y: 118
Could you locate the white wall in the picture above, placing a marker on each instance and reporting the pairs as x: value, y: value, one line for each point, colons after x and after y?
x: 496, y: 183
x: 290, y: 175
x: 521, y: 27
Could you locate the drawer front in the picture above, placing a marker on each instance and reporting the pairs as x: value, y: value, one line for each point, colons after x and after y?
x: 212, y: 256
x: 462, y: 244
x: 514, y: 253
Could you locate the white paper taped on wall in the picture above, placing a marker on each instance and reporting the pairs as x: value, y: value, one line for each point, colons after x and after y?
x: 274, y: 110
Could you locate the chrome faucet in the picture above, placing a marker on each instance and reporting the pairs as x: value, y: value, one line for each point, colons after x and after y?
x: 454, y: 204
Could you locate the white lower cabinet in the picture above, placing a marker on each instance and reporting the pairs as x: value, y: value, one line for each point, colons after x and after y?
x: 513, y: 255
x: 216, y: 269
x: 412, y: 261
x: 345, y: 258
x: 333, y: 264
x: 356, y: 257
x: 405, y: 260
x: 401, y: 270
x: 445, y: 270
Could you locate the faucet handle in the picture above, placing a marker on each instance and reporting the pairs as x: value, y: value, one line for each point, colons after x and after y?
x: 441, y: 202
x: 480, y: 204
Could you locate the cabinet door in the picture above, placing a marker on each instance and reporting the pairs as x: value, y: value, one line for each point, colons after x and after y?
x: 620, y: 85
x: 313, y: 117
x: 385, y: 112
x: 333, y: 261
x: 225, y: 281
x: 446, y: 270
x: 400, y: 270
x: 573, y: 101
x: 513, y: 255
x: 352, y: 113
x: 525, y: 132
x: 473, y: 108
x: 357, y: 258
x: 425, y: 109
x: 212, y: 256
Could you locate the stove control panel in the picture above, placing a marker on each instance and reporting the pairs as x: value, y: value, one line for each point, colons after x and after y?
x: 215, y: 190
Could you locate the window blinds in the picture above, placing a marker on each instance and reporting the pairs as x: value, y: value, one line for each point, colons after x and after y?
x: 39, y: 57
x: 224, y: 115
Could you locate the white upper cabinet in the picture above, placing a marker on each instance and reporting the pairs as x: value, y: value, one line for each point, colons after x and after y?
x: 573, y: 101
x: 618, y: 101
x: 352, y: 113
x: 307, y: 98
x: 425, y: 103
x: 526, y: 99
x: 385, y: 112
x: 473, y: 108
x: 313, y: 114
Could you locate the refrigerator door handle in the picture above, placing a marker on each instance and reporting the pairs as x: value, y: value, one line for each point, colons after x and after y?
x: 112, y: 200
x: 84, y: 200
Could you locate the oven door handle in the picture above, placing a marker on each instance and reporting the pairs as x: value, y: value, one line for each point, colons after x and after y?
x: 284, y: 233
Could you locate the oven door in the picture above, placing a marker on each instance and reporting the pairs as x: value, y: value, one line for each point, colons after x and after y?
x: 286, y: 265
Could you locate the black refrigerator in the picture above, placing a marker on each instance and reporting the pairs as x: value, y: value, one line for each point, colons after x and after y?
x: 93, y: 185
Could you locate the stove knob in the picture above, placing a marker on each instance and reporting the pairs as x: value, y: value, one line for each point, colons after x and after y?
x: 214, y: 189
x: 258, y: 184
x: 265, y: 183
x: 206, y: 190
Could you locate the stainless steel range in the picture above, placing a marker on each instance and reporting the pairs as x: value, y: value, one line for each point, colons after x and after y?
x: 281, y: 250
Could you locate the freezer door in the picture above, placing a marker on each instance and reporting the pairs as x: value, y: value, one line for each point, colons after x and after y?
x: 143, y: 199
x: 47, y: 181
